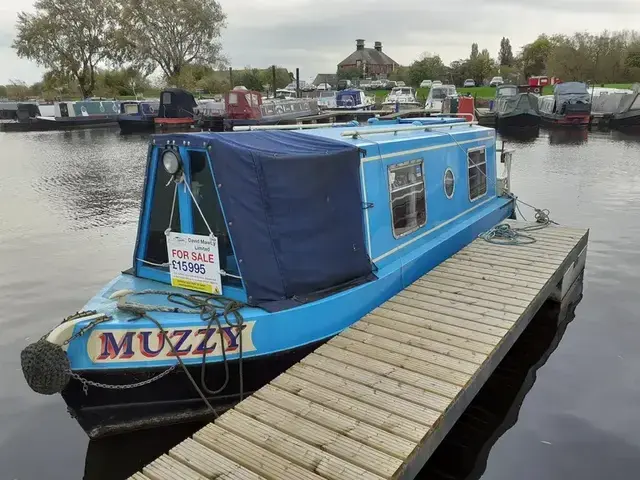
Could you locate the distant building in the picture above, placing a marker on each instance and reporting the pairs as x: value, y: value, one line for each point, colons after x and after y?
x: 373, y: 61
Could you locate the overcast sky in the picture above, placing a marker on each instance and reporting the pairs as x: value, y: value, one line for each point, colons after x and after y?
x: 317, y: 34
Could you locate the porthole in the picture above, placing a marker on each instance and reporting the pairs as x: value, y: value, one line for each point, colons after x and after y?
x: 449, y: 183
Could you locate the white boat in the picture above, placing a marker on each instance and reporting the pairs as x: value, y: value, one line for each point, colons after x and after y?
x: 353, y: 99
x: 284, y: 94
x: 326, y: 100
x: 436, y: 97
x: 401, y: 98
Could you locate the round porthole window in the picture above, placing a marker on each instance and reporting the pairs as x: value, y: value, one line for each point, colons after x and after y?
x: 449, y: 183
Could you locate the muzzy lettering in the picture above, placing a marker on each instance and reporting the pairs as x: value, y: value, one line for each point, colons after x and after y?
x: 151, y: 344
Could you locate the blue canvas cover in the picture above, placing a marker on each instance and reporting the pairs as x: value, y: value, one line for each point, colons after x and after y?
x: 293, y: 207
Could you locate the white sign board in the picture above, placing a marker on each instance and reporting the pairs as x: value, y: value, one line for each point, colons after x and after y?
x: 194, y: 262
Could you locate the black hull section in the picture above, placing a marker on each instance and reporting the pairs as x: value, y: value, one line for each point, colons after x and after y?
x: 626, y: 122
x: 36, y: 125
x: 136, y: 126
x: 521, y: 121
x: 172, y: 399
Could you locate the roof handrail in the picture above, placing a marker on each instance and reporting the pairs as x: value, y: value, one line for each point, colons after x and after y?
x: 374, y: 131
x: 299, y: 126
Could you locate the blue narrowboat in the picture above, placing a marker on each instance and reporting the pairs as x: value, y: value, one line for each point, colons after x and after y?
x: 138, y: 115
x: 253, y: 249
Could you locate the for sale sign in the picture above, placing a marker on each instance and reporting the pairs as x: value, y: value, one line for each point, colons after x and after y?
x: 194, y: 262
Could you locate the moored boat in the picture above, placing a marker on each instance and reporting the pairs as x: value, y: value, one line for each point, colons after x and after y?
x: 515, y: 110
x: 401, y: 99
x: 138, y: 115
x: 64, y: 116
x: 177, y: 110
x: 627, y: 116
x: 569, y: 106
x: 248, y: 108
x: 353, y: 99
x: 436, y: 97
x: 253, y: 248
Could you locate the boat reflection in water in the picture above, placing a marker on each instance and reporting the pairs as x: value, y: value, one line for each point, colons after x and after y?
x: 568, y: 136
x: 463, y: 453
x: 520, y: 135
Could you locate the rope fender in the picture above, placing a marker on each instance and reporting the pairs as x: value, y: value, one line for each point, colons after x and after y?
x: 45, y: 367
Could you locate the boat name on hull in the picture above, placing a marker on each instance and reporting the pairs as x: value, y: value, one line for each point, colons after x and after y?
x: 149, y: 344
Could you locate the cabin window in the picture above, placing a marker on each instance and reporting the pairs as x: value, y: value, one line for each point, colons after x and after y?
x: 131, y: 108
x: 233, y: 99
x: 161, y: 202
x: 204, y: 191
x: 477, y: 164
x: 254, y: 99
x: 247, y: 96
x: 166, y: 98
x: 449, y: 183
x: 408, y: 201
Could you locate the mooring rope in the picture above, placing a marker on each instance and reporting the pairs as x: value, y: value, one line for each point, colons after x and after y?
x: 505, y: 234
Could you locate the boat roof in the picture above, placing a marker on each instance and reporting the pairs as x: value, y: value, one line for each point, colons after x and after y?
x: 570, y: 88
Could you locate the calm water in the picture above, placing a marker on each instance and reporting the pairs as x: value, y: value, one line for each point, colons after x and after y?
x: 564, y: 404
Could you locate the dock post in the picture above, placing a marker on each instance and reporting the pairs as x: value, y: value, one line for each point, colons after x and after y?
x: 273, y: 81
x: 298, y: 82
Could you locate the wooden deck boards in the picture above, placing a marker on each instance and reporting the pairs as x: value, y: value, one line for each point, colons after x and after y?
x: 375, y: 401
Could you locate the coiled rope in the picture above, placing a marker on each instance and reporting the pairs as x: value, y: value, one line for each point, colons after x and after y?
x: 505, y: 234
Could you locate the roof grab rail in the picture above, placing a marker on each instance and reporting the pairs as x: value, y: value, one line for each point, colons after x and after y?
x: 299, y: 126
x: 374, y: 131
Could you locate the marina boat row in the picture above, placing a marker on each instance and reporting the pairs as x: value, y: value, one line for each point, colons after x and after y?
x: 254, y: 248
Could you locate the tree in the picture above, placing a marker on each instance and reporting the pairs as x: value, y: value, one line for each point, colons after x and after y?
x: 427, y: 68
x: 534, y: 56
x: 3, y: 91
x: 252, y: 78
x: 122, y: 81
x: 171, y: 34
x: 69, y: 36
x: 350, y: 73
x: 481, y: 67
x: 474, y: 51
x: 505, y: 57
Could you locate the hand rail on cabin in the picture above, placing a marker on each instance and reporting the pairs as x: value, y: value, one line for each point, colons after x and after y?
x: 291, y: 127
x: 375, y: 131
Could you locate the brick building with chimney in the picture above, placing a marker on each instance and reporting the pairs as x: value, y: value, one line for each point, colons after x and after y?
x: 372, y: 61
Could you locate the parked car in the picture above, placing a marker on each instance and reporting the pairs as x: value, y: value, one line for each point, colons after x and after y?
x: 436, y: 83
x: 426, y: 84
x: 324, y: 87
x: 377, y: 84
x: 390, y: 84
x: 496, y: 81
x: 400, y: 83
x: 469, y: 82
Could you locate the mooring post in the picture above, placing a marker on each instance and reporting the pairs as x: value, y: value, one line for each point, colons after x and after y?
x: 298, y: 82
x: 273, y: 81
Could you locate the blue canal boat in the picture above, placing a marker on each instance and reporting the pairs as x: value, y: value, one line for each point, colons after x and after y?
x: 253, y: 249
x: 138, y: 115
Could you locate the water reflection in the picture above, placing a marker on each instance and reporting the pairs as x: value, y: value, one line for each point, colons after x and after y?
x: 568, y: 136
x: 463, y: 453
x: 521, y: 135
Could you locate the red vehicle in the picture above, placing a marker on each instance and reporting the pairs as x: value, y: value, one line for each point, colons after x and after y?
x: 537, y: 83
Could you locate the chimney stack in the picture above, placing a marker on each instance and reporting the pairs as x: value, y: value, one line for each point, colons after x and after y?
x: 359, y: 44
x: 378, y: 46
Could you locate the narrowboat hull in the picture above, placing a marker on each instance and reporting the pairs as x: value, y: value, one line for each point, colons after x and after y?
x: 626, y: 121
x: 39, y: 125
x: 172, y: 399
x: 136, y: 124
x: 519, y: 121
x: 173, y: 124
x: 566, y: 121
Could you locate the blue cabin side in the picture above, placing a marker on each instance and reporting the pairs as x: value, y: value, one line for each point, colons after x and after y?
x: 453, y: 186
x: 415, y: 186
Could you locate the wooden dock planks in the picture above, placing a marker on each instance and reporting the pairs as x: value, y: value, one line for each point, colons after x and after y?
x: 375, y: 401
